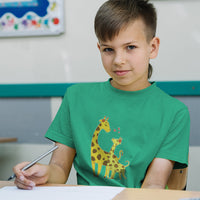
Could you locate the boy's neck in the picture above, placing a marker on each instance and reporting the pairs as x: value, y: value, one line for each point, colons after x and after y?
x: 131, y: 87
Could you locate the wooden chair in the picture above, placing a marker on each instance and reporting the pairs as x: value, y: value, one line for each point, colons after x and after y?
x: 178, y: 179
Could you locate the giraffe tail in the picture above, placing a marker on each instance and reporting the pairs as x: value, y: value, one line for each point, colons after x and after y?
x: 127, y: 163
x: 121, y: 153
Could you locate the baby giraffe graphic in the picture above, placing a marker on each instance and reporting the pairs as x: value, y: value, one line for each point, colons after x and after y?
x: 112, y: 162
x: 98, y: 155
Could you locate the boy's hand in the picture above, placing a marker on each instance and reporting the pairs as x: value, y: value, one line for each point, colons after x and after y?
x: 35, y: 175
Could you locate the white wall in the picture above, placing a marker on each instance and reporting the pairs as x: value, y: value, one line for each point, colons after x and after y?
x: 179, y: 31
x: 73, y: 56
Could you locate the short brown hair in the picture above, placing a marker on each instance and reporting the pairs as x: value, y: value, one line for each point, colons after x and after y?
x: 114, y: 15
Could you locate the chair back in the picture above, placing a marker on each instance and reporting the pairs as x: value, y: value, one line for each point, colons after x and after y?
x: 178, y: 179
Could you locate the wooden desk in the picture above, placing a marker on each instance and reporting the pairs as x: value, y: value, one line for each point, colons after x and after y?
x: 6, y: 183
x: 3, y: 140
x: 138, y: 194
x: 155, y: 194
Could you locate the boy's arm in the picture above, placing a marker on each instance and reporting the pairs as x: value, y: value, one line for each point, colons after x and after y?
x: 61, y: 163
x: 56, y: 172
x: 158, y: 173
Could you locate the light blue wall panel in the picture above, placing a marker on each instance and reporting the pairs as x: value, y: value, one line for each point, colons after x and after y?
x: 26, y: 119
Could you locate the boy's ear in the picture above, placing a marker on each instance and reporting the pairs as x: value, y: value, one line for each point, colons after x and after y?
x: 155, y: 43
x: 98, y: 45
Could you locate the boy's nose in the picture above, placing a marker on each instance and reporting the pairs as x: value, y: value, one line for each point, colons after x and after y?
x: 119, y: 58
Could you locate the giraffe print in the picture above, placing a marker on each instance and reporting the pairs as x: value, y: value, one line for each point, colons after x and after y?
x: 108, y: 159
x: 98, y: 155
x: 112, y: 163
x: 111, y: 154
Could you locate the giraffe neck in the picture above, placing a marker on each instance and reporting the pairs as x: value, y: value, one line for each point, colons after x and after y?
x: 96, y: 134
x: 113, y: 148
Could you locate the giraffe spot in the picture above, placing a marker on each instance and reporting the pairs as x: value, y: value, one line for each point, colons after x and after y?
x: 123, y: 167
x: 97, y: 129
x: 110, y: 165
x: 116, y: 166
x: 114, y: 156
x: 94, y: 151
x: 93, y: 158
x: 113, y: 161
x: 108, y: 161
x: 99, y: 157
x: 105, y: 163
x: 108, y: 157
x: 92, y: 144
x: 96, y: 141
x: 98, y: 148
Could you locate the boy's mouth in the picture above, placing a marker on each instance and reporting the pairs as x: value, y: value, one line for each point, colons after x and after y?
x: 121, y: 73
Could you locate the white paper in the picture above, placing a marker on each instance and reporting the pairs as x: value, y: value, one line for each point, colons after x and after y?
x: 190, y: 199
x: 54, y: 193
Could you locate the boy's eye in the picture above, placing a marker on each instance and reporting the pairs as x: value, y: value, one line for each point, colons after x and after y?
x: 131, y: 47
x: 107, y: 50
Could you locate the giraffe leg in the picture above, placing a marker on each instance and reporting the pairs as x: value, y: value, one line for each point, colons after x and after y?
x: 113, y: 174
x: 93, y: 168
x: 99, y: 169
x: 123, y: 173
x: 120, y: 175
x: 107, y: 173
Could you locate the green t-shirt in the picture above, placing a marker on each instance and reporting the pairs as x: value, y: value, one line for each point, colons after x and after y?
x: 118, y: 133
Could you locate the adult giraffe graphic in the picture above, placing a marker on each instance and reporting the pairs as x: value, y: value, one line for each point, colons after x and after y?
x: 98, y: 155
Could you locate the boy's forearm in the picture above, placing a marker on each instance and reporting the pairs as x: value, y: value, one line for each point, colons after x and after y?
x: 57, y: 174
x: 153, y: 186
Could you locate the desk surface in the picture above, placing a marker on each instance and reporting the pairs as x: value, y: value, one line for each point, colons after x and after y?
x: 3, y: 140
x: 139, y: 194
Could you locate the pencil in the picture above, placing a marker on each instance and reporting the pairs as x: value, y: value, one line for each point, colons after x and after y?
x: 34, y: 161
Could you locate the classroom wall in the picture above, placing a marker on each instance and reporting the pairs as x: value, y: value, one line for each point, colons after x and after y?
x: 70, y: 57
x: 74, y: 57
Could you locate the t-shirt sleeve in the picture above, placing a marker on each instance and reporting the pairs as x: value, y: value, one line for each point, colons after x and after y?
x: 60, y: 128
x: 176, y: 145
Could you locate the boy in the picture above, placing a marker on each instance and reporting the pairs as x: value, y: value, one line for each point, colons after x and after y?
x: 145, y: 132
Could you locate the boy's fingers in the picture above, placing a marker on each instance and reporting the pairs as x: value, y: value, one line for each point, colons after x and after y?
x: 24, y: 183
x: 27, y: 179
x: 21, y: 180
x: 17, y: 169
x: 34, y: 171
x: 28, y: 185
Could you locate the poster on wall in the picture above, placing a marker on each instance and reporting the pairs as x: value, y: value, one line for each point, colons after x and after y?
x: 31, y: 17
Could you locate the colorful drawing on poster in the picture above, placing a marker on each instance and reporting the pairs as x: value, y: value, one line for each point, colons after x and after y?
x: 31, y: 17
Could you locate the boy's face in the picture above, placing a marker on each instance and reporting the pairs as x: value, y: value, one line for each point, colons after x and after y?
x: 126, y: 57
